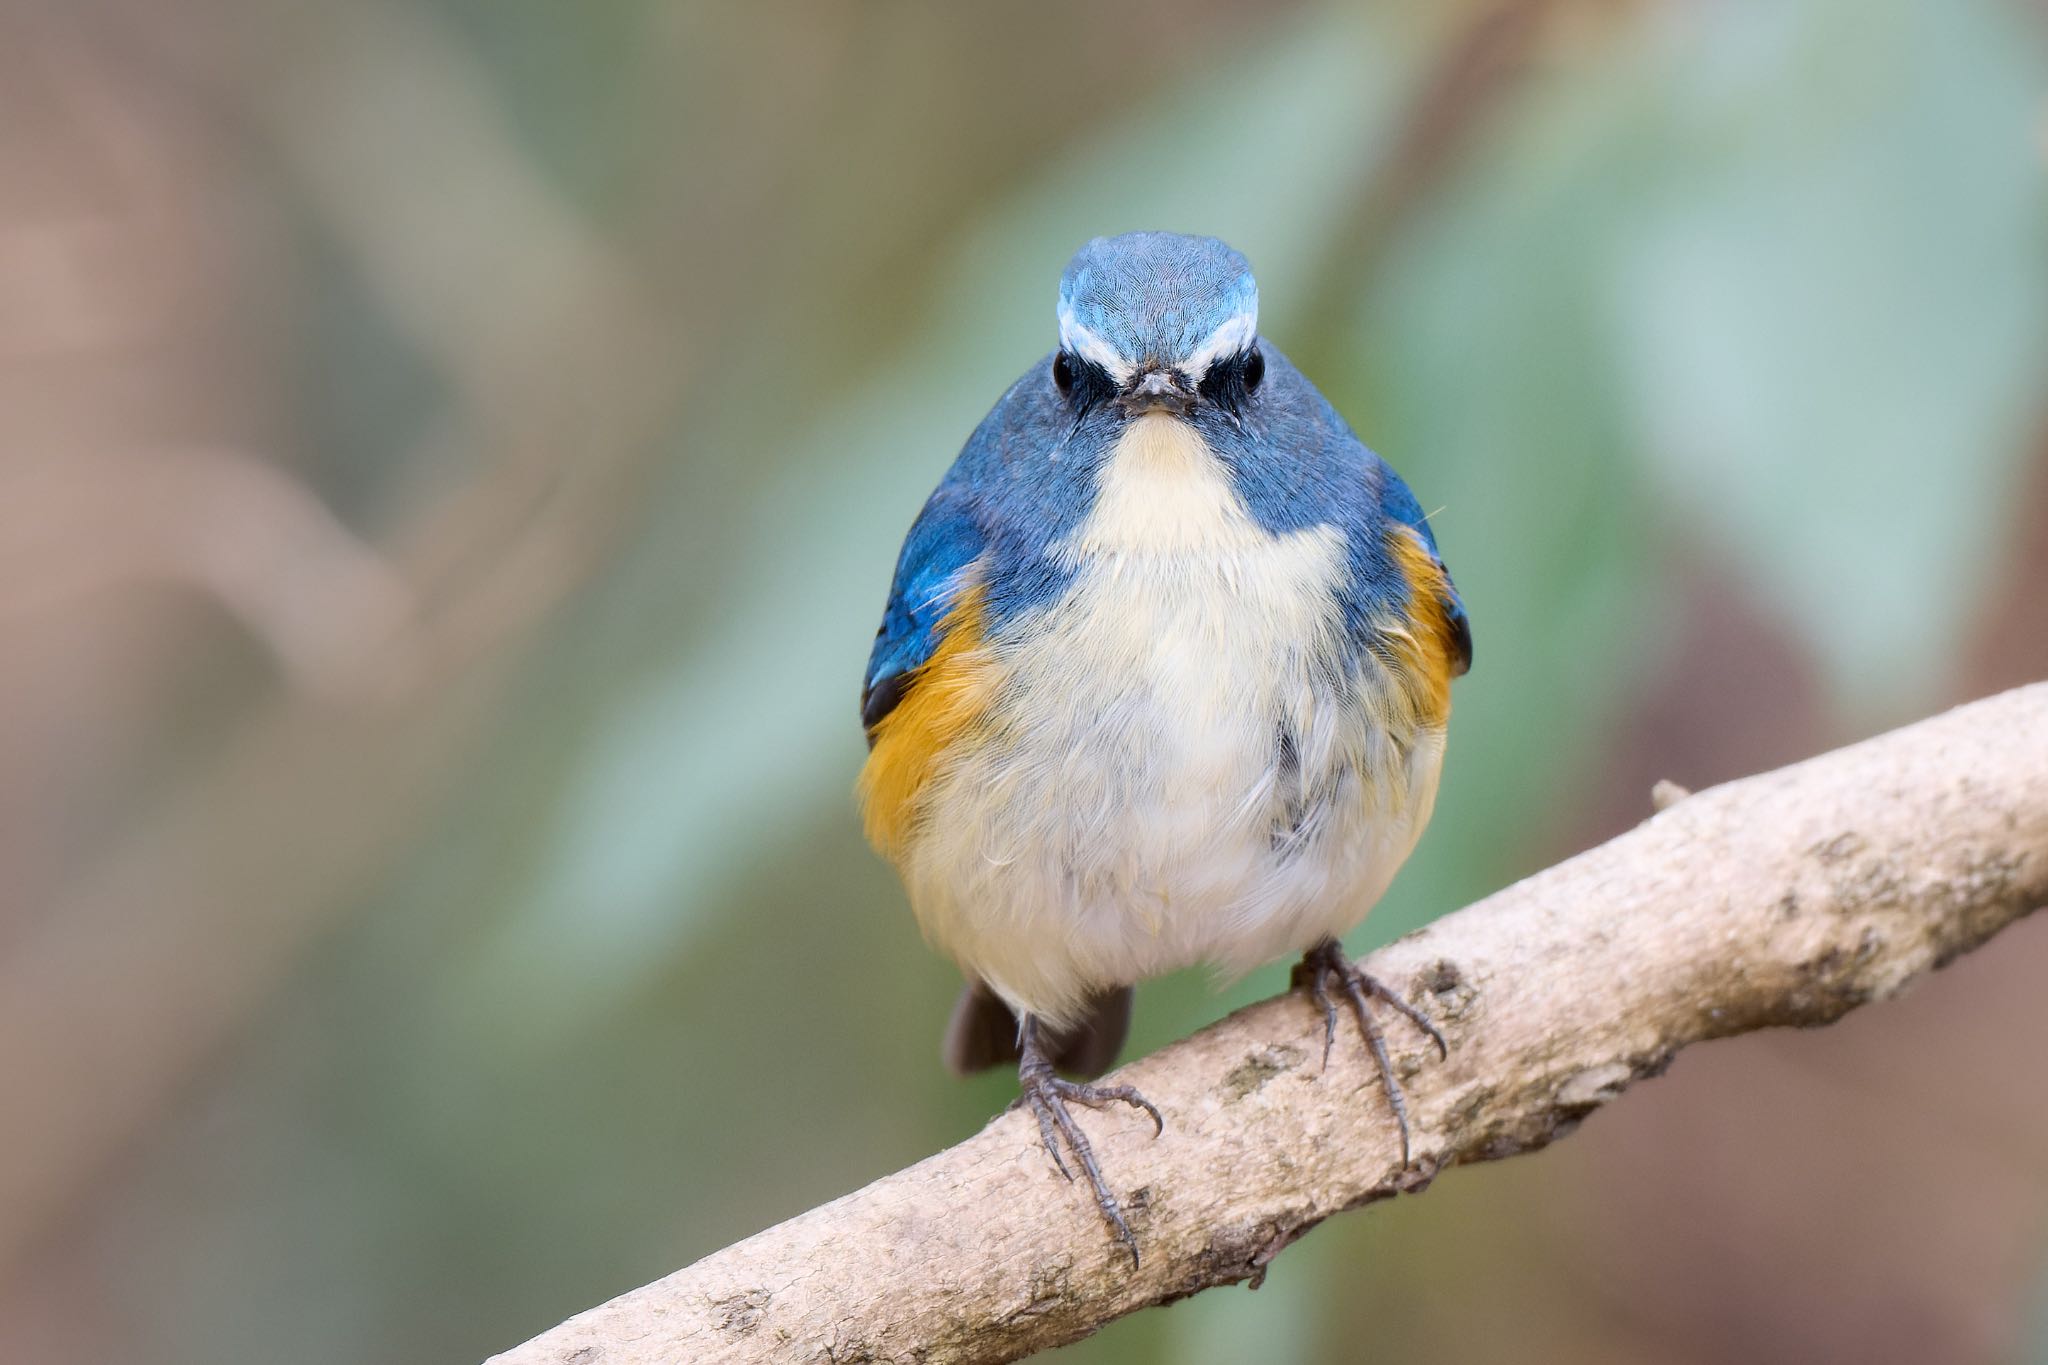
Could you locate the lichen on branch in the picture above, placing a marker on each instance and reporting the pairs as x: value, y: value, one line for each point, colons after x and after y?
x: 1784, y: 899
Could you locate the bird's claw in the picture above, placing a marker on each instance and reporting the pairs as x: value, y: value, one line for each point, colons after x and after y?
x: 1327, y: 963
x: 1048, y: 1096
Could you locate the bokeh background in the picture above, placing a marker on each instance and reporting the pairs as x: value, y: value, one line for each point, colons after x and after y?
x: 452, y: 455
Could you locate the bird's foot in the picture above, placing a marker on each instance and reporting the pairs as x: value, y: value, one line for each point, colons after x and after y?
x: 1324, y: 966
x: 1048, y: 1095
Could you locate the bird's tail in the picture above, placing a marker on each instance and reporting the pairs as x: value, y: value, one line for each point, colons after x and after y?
x: 983, y: 1033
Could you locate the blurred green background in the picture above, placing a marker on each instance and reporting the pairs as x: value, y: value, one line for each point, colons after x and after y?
x: 453, y: 453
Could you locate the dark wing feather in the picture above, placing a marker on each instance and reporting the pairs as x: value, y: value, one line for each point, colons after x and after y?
x: 941, y: 545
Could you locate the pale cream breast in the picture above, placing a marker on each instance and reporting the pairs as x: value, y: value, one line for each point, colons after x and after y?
x: 1122, y: 822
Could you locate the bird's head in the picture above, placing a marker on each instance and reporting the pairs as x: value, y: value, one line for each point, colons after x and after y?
x: 1158, y: 322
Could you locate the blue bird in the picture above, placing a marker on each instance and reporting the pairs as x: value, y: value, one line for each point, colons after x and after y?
x: 1163, y: 679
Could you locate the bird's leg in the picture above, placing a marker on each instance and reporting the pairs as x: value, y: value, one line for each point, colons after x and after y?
x: 1048, y: 1096
x: 1325, y: 965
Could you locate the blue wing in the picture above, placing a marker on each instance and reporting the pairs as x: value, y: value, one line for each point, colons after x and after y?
x: 1399, y: 503
x: 943, y: 541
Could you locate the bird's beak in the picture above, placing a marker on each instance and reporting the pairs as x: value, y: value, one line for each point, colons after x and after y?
x: 1157, y: 390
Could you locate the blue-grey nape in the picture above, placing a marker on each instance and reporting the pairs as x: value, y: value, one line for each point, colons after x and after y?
x: 1156, y: 298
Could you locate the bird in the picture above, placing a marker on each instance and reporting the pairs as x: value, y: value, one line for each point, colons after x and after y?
x: 1163, y: 679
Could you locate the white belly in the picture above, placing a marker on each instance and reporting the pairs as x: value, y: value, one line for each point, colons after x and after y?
x: 1135, y: 809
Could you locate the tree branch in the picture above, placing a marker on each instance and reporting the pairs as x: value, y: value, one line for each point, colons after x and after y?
x: 1785, y: 899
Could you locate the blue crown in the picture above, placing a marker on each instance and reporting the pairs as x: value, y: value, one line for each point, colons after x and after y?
x: 1149, y: 299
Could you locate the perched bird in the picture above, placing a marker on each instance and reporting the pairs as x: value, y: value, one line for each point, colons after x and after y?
x: 1162, y: 680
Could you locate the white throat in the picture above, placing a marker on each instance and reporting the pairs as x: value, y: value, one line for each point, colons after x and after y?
x: 1163, y: 491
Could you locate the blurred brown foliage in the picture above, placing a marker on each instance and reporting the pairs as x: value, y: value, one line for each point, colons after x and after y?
x: 451, y: 454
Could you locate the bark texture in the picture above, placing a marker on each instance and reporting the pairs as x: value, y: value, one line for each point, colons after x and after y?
x: 1784, y: 899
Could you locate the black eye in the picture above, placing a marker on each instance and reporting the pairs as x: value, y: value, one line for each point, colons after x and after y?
x: 1063, y: 372
x: 1254, y: 370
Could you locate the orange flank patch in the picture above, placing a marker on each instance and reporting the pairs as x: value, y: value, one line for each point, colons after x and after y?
x: 1428, y: 642
x: 947, y: 697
